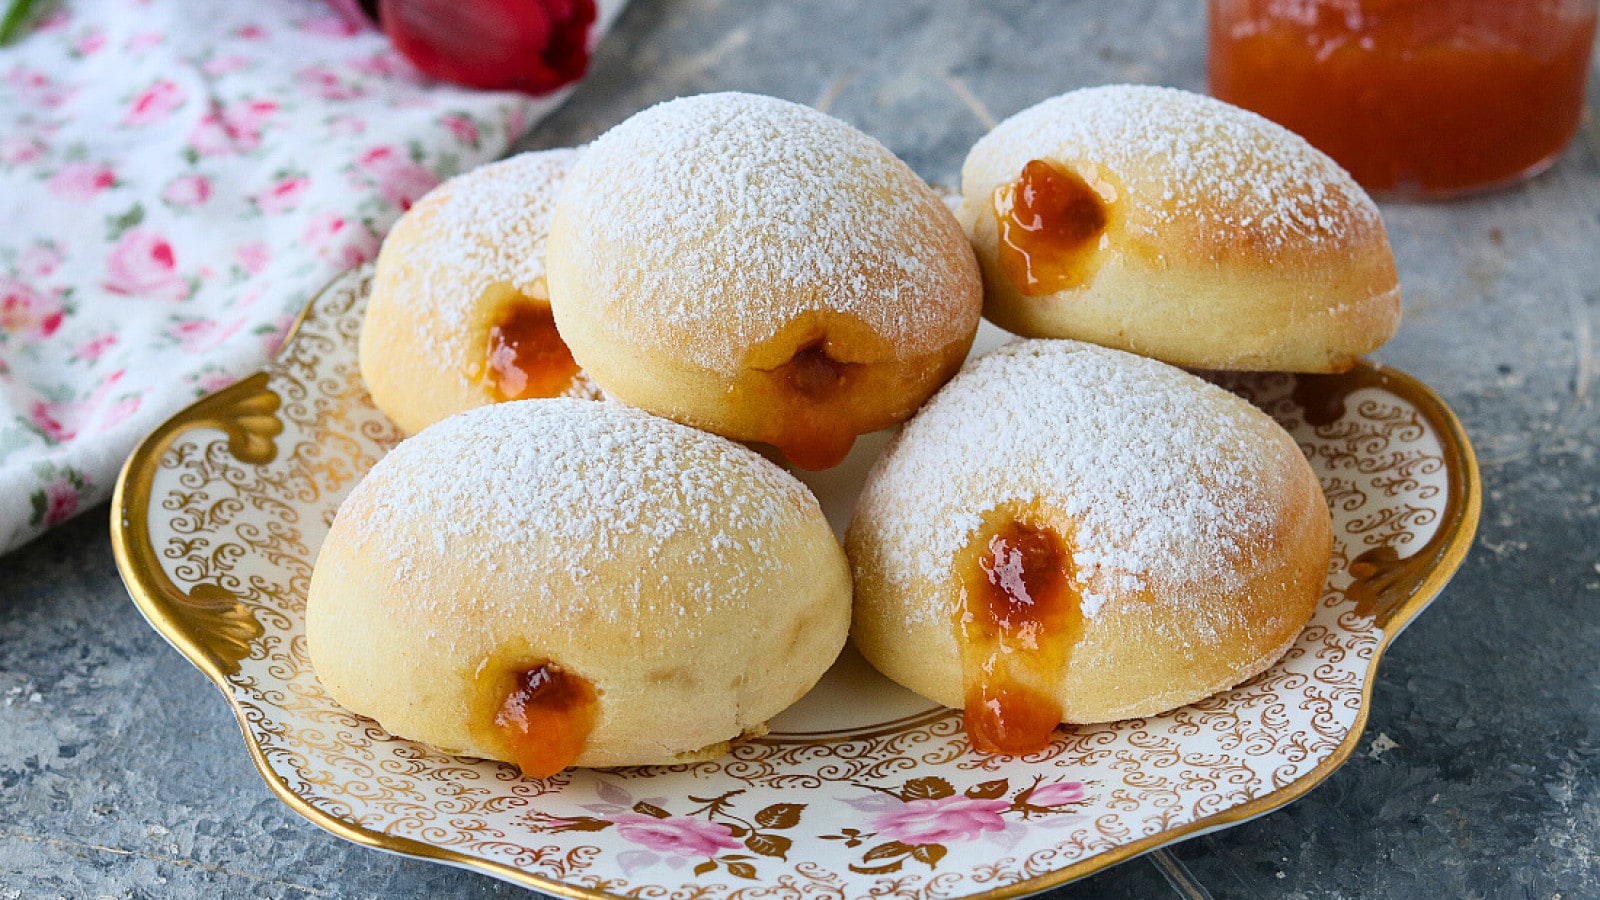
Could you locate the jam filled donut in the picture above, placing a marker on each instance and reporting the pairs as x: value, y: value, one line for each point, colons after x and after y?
x: 561, y: 582
x: 1068, y: 533
x: 1178, y: 227
x: 459, y: 315
x: 760, y: 270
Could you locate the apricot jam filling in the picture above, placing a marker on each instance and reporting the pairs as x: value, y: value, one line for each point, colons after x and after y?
x: 1017, y: 624
x: 814, y: 374
x: 524, y: 355
x: 1048, y: 219
x: 541, y: 714
x: 814, y: 391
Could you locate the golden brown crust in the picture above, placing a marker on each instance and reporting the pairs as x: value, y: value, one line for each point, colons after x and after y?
x: 1200, y: 536
x: 465, y: 251
x: 696, y: 586
x: 693, y: 252
x: 1231, y: 243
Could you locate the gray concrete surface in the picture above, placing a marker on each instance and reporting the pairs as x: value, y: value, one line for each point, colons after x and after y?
x: 122, y: 773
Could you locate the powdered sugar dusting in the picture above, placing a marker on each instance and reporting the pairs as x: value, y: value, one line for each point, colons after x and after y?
x: 1184, y: 158
x: 588, y: 484
x: 706, y: 224
x: 486, y: 226
x: 1160, y: 473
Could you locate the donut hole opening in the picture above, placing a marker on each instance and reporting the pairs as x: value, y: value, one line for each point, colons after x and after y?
x: 823, y: 380
x: 1019, y: 616
x: 540, y: 714
x: 522, y: 354
x: 813, y: 374
x: 817, y: 426
x: 1050, y: 224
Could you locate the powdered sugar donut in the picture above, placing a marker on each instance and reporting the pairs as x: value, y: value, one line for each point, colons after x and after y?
x: 1178, y: 227
x: 761, y: 270
x: 459, y: 315
x: 555, y: 582
x: 1068, y: 533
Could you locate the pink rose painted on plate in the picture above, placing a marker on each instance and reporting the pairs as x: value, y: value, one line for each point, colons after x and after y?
x: 678, y: 835
x: 142, y: 264
x: 155, y: 103
x: 1059, y: 794
x: 82, y: 181
x: 941, y: 820
x: 706, y: 833
x: 915, y: 823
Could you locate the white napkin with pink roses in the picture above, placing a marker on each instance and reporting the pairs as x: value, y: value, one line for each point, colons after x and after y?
x: 177, y: 178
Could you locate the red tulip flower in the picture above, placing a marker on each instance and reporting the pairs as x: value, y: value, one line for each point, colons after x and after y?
x: 532, y: 46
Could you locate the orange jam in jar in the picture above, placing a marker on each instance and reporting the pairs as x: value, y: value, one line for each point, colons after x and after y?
x: 1018, y: 623
x: 1416, y: 98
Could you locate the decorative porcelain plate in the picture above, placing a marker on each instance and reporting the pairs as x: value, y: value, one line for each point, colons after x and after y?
x: 862, y: 788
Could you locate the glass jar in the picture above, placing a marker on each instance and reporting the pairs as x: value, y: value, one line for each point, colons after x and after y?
x: 1417, y: 98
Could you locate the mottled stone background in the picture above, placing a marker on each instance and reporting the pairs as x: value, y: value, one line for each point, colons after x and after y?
x: 122, y: 773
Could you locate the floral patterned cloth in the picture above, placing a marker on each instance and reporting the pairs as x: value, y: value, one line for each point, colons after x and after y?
x: 177, y: 178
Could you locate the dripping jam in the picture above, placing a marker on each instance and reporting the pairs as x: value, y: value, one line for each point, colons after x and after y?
x: 525, y: 356
x: 1018, y: 623
x: 815, y: 435
x: 1047, y: 220
x: 545, y: 718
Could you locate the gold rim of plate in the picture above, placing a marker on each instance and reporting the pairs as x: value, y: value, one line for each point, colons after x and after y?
x: 244, y: 412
